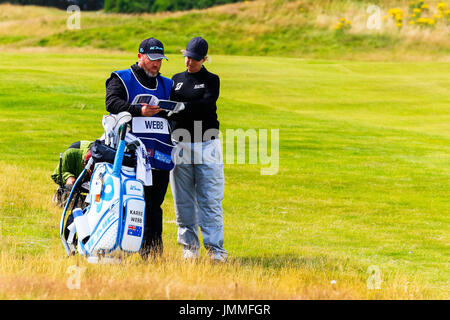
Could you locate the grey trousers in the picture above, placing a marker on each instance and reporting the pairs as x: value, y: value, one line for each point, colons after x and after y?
x: 198, y: 190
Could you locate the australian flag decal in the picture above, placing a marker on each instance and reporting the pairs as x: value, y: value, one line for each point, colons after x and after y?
x: 134, y: 231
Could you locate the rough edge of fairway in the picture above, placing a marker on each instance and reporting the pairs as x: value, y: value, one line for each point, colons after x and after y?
x: 52, y: 276
x: 45, y: 273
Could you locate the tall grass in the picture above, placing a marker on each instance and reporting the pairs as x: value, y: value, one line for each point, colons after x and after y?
x: 48, y: 276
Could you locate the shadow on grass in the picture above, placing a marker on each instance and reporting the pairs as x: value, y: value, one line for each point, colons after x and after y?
x: 278, y: 261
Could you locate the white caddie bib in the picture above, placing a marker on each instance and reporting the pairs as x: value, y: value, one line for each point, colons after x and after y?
x: 150, y: 125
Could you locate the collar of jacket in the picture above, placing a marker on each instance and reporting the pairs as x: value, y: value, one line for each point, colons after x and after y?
x: 201, y: 72
x: 146, y: 80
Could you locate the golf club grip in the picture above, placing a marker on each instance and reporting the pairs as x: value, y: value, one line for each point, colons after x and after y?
x: 123, y: 133
x: 118, y: 159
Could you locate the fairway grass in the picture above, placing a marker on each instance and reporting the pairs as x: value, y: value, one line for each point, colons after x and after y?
x: 362, y: 184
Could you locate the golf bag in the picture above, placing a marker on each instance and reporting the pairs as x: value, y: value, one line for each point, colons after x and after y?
x: 113, y: 221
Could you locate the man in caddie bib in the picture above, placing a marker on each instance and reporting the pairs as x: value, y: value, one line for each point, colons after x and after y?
x: 150, y: 124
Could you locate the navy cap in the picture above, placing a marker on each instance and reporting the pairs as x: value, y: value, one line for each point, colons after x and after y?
x: 197, y: 48
x: 153, y: 48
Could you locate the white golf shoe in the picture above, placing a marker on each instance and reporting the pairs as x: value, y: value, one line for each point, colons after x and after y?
x: 189, y: 253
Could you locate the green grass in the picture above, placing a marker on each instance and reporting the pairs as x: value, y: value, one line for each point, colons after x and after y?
x: 230, y: 33
x: 265, y: 27
x: 364, y: 161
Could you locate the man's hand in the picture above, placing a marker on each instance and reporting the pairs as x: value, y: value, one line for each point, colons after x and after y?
x: 148, y: 110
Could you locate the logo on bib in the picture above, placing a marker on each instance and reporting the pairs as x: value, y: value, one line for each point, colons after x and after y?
x: 199, y: 86
x: 178, y: 86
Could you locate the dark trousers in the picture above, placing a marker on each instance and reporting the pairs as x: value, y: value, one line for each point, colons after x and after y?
x: 154, y: 197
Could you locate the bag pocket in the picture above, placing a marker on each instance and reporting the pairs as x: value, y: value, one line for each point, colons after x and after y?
x: 133, y: 224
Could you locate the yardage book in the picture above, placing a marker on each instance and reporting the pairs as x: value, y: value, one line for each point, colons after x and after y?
x: 154, y: 101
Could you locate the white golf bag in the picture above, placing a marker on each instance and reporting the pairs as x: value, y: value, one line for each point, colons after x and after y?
x: 114, y: 219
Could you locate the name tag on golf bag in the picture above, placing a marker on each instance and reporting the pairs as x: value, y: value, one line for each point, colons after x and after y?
x: 115, y: 216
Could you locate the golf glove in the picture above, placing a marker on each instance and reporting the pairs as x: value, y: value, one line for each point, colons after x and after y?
x: 179, y: 107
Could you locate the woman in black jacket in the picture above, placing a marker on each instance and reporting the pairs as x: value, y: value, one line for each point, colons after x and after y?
x: 197, y: 180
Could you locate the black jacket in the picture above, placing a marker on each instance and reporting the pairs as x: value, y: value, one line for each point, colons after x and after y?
x: 199, y: 92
